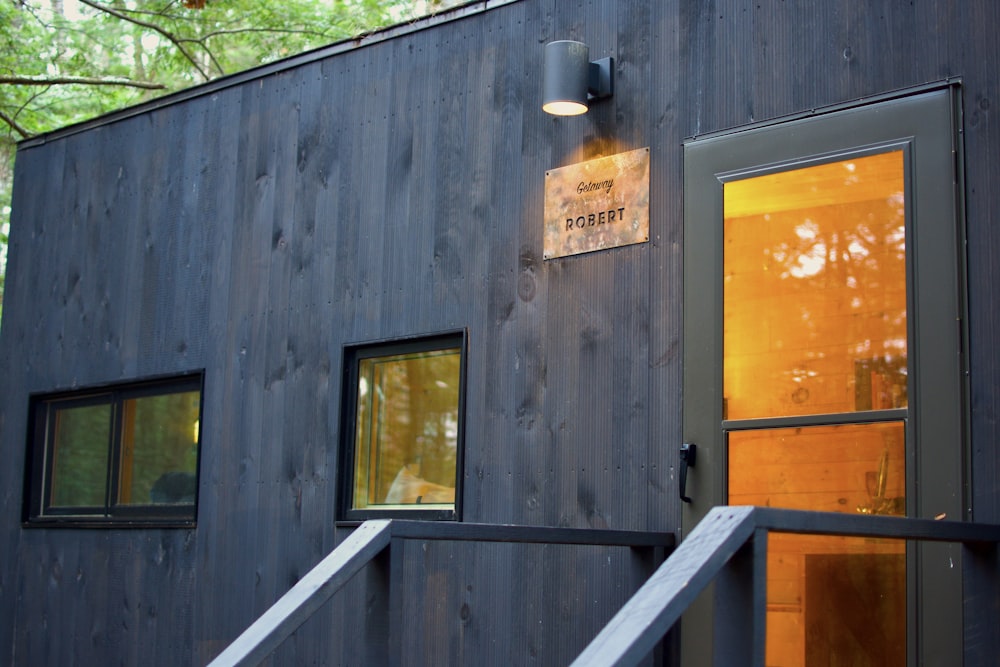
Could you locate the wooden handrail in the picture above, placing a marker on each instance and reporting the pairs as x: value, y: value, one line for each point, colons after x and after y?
x: 374, y: 537
x: 306, y: 596
x: 724, y: 532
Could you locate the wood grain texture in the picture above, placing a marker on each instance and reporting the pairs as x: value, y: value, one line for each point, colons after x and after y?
x: 729, y: 546
x: 257, y: 225
x: 633, y: 631
x: 307, y: 595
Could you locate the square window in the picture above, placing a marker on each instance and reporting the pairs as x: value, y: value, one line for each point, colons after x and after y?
x: 402, y: 447
x: 121, y: 454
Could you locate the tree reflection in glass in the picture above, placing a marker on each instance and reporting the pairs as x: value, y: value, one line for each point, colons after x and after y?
x: 406, y: 448
x: 815, y: 282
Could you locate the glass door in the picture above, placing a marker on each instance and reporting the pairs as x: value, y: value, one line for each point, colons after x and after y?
x: 814, y: 323
x: 823, y: 369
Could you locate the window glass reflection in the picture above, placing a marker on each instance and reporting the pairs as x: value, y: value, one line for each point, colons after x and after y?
x: 160, y: 449
x: 830, y: 599
x: 80, y: 456
x: 406, y: 449
x: 815, y: 290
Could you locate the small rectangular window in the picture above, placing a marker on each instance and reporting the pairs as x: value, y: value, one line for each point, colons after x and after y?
x: 120, y: 454
x: 403, y: 434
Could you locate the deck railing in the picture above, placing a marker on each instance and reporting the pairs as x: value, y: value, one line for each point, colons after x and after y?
x: 377, y: 544
x: 730, y: 546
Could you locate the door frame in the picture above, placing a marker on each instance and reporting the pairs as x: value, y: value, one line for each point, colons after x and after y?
x: 926, y: 124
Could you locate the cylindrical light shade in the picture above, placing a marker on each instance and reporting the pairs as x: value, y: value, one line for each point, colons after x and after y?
x: 565, y: 78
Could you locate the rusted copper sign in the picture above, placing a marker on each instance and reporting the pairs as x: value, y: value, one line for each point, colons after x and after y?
x: 598, y: 204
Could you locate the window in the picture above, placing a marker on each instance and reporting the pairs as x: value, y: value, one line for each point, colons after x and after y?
x: 114, y: 455
x: 402, y: 444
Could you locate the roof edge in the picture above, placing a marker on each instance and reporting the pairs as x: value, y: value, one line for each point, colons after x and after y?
x: 231, y: 80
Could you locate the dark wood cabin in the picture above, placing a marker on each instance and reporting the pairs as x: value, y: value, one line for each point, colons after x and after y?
x: 242, y: 320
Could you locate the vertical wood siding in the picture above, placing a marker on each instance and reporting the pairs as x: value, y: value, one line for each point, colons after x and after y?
x: 397, y: 189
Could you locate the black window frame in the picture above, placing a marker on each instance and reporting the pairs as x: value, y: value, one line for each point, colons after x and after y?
x: 37, y: 511
x: 353, y: 354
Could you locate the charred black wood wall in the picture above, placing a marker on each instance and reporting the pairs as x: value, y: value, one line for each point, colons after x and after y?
x: 396, y: 188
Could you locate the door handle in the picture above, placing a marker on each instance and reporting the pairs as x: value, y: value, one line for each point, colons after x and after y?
x: 688, y: 452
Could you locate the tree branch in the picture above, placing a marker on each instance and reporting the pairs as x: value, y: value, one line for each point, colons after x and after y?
x: 85, y: 80
x: 277, y: 31
x: 177, y: 41
x: 14, y: 126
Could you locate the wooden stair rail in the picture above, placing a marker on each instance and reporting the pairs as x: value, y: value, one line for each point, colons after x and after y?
x: 374, y: 543
x: 730, y: 546
x: 305, y: 597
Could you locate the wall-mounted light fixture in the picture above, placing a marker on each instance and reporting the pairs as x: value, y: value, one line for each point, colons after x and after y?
x: 570, y: 80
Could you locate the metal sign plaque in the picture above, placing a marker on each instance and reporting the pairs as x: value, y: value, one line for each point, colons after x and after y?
x: 598, y: 204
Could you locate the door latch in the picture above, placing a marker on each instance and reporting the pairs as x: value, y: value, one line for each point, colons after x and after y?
x: 688, y: 452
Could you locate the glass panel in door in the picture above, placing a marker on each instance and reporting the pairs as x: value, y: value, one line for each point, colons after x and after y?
x: 815, y: 395
x: 830, y: 600
x: 815, y: 290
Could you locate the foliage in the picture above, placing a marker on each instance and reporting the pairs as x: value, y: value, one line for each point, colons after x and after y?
x: 4, y: 231
x: 64, y: 61
x: 159, y: 454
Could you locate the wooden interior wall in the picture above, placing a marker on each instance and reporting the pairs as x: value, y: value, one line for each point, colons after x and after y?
x: 397, y: 189
x: 814, y: 292
x: 829, y: 469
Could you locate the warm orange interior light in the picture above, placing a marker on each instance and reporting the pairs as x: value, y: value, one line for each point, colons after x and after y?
x: 815, y: 323
x: 815, y: 290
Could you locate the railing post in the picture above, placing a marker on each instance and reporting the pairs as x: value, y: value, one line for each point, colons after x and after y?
x: 383, y: 614
x: 395, y: 616
x: 641, y: 624
x: 741, y: 605
x: 645, y: 561
x: 982, y: 603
